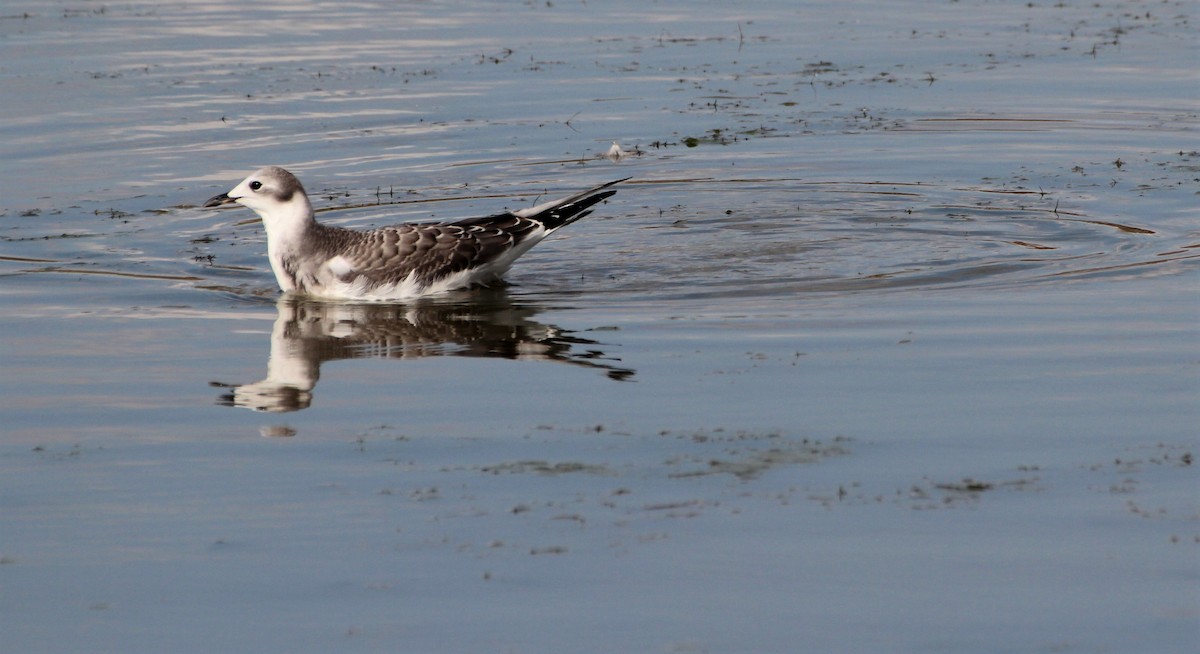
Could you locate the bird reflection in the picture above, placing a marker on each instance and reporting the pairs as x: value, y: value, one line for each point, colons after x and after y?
x: 308, y: 333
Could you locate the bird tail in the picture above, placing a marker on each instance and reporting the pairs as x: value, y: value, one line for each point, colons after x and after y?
x: 562, y: 212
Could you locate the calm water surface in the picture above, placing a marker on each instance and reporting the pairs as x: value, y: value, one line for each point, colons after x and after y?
x: 889, y: 345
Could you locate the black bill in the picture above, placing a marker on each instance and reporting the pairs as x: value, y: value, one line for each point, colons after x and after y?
x: 218, y: 200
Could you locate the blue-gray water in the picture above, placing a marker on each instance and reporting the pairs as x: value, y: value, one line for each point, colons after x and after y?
x: 891, y: 343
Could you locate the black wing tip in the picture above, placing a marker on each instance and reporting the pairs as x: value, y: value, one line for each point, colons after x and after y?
x: 559, y: 216
x: 612, y: 183
x: 569, y: 213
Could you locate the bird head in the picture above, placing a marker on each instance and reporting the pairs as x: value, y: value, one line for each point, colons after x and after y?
x: 274, y: 194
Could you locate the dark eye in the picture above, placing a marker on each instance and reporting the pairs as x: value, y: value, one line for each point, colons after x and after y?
x: 255, y: 185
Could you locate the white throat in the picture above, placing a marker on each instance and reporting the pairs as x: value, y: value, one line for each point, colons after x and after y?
x: 286, y: 224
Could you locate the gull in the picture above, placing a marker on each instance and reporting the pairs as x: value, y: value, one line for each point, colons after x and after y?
x: 401, y: 262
